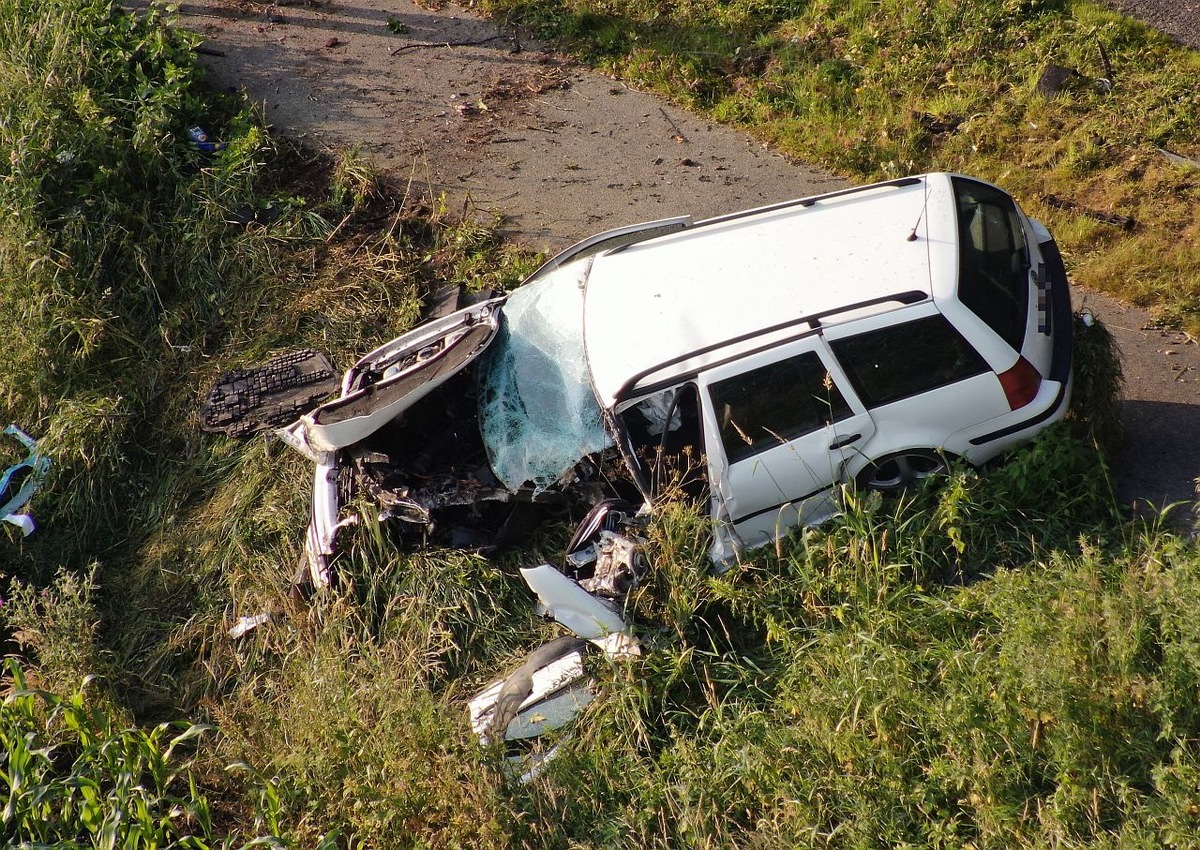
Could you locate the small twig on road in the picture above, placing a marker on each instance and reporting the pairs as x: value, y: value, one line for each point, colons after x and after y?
x: 679, y: 137
x: 417, y: 45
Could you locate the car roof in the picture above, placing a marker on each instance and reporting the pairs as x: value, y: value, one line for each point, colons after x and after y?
x: 731, y: 278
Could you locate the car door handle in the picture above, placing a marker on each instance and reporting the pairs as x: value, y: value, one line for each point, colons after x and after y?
x: 844, y: 441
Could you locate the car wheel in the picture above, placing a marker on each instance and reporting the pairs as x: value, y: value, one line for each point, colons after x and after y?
x: 893, y: 473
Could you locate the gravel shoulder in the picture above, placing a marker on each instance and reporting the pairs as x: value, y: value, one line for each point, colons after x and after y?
x: 499, y: 126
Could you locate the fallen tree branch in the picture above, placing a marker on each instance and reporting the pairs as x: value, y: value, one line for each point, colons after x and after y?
x: 679, y: 137
x: 417, y: 45
x: 1122, y: 221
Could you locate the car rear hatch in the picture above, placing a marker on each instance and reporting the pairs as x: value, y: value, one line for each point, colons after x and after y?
x: 1011, y: 277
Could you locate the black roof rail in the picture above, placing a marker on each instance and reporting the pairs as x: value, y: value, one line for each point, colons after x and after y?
x: 912, y: 296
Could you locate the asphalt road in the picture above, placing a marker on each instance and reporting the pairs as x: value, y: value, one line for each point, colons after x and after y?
x: 1179, y: 19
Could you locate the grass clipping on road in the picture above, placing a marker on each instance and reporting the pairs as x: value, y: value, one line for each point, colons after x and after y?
x: 876, y: 90
x: 1001, y: 661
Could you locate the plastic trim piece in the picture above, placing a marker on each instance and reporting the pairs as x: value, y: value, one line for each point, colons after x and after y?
x: 616, y: 238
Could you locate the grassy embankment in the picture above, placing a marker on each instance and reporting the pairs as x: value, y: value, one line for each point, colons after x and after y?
x: 875, y: 89
x: 1001, y: 662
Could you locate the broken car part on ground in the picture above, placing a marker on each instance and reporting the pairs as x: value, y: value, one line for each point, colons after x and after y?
x: 752, y: 363
x: 547, y: 691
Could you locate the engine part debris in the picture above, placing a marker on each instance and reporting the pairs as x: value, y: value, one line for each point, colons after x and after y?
x: 247, y: 401
x: 620, y: 565
x: 604, y: 556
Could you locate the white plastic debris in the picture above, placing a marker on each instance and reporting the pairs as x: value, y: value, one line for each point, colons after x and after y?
x: 248, y: 624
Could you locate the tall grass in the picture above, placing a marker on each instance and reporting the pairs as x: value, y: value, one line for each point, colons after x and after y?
x: 133, y: 269
x: 843, y: 694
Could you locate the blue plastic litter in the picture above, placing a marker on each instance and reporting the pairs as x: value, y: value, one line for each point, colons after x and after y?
x: 22, y: 481
x: 200, y: 140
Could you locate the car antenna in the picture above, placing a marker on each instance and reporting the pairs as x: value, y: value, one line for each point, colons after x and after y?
x: 912, y: 234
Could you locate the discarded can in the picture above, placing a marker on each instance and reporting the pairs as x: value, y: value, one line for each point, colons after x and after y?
x: 198, y: 136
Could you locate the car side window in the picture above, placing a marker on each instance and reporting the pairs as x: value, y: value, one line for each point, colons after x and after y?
x: 906, y: 359
x: 774, y: 404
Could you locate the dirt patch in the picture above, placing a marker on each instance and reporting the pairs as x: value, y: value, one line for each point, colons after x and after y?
x: 497, y: 125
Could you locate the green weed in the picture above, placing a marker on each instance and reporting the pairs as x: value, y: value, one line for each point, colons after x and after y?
x: 73, y: 777
x: 840, y: 694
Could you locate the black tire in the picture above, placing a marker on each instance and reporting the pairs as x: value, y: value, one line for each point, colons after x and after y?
x: 896, y: 472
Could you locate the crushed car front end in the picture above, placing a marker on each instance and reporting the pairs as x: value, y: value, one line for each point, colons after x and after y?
x: 490, y: 406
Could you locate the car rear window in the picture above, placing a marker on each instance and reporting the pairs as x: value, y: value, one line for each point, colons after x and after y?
x: 993, y: 270
x: 907, y: 359
x: 766, y: 407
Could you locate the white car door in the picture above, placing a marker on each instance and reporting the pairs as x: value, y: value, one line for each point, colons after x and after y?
x: 779, y: 425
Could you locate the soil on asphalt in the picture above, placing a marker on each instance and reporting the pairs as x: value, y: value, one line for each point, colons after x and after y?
x: 499, y: 125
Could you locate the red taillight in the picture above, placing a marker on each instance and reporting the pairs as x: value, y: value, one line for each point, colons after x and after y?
x: 1020, y: 383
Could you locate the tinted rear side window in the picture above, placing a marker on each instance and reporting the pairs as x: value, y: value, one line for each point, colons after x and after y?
x: 767, y: 407
x: 907, y: 359
x: 993, y: 270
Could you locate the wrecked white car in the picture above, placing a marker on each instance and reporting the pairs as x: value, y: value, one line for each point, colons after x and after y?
x: 756, y: 361
x: 752, y: 362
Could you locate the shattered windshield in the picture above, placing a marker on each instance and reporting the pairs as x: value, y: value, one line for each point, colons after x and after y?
x: 537, y: 412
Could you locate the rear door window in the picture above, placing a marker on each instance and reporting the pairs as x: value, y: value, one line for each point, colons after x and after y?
x: 993, y: 272
x: 906, y: 359
x: 774, y: 404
